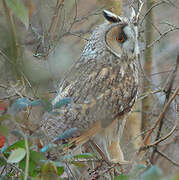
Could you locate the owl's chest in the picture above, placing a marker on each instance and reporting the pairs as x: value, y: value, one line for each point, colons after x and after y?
x: 95, y: 80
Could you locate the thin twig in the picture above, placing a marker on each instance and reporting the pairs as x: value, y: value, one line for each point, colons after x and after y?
x: 160, y: 116
x: 57, y: 20
x: 162, y: 35
x: 108, y: 169
x: 162, y: 138
x: 14, y: 166
x: 74, y: 177
x: 173, y: 4
x: 3, y: 169
x: 54, y: 16
x: 161, y: 72
x: 99, y: 151
x: 77, y: 35
x: 157, y: 4
x: 80, y: 161
x: 167, y: 89
x: 166, y: 157
x: 27, y: 158
x: 142, y: 96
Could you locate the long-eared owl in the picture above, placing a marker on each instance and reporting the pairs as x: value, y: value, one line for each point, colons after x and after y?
x: 103, y: 85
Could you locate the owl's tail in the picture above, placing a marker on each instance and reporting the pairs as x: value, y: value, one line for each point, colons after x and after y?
x: 77, y: 141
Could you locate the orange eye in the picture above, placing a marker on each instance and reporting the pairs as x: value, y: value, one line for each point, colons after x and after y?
x: 120, y: 38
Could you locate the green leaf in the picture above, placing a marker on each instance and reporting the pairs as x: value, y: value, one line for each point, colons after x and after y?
x: 62, y: 102
x: 38, y: 177
x: 34, y: 162
x: 37, y: 157
x: 4, y: 130
x: 3, y: 150
x: 49, y: 171
x: 78, y: 164
x: 19, y: 10
x: 20, y: 104
x: 16, y: 155
x: 35, y: 102
x: 84, y: 156
x: 48, y: 147
x: 18, y: 144
x: 121, y: 177
x: 60, y: 170
x: 67, y: 134
x: 2, y: 162
x: 46, y: 104
x: 153, y: 173
x: 5, y: 117
x: 32, y: 166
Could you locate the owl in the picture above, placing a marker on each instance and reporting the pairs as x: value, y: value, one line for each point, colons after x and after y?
x: 103, y: 85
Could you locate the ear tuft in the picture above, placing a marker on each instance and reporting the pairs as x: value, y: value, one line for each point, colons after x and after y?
x: 111, y: 17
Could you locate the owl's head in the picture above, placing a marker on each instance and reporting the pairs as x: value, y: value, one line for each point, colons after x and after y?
x: 121, y: 34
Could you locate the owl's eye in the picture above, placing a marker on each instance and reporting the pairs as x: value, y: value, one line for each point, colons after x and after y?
x: 121, y: 37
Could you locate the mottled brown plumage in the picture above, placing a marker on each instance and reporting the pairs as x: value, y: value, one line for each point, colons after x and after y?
x: 103, y: 85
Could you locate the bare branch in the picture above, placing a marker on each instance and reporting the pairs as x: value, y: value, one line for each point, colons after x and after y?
x: 174, y: 5
x: 160, y: 116
x: 162, y: 35
x: 149, y: 10
x: 163, y: 138
x: 27, y: 157
x: 144, y: 95
x: 57, y: 20
x: 166, y: 157
x: 74, y: 177
x: 100, y: 151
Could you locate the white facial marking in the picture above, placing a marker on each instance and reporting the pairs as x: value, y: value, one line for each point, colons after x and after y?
x: 129, y: 45
x: 129, y: 32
